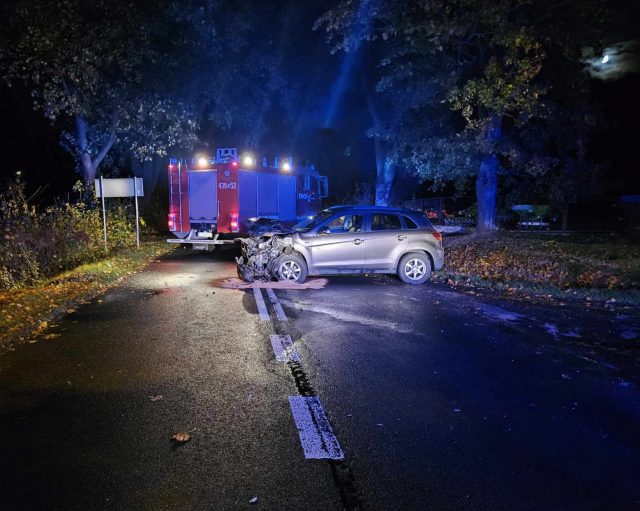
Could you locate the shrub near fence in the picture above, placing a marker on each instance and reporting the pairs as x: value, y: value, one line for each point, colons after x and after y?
x: 37, y: 245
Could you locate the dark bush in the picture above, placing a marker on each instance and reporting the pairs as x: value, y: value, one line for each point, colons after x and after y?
x: 37, y: 245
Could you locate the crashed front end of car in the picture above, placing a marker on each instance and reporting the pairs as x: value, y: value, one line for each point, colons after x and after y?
x: 261, y: 255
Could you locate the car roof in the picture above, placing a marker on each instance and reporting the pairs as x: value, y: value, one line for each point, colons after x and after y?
x: 390, y: 209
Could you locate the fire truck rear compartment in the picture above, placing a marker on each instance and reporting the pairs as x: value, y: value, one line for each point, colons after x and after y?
x: 222, y: 196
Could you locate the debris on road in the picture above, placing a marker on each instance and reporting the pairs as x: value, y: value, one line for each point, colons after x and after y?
x: 253, y: 500
x: 156, y: 398
x: 181, y: 438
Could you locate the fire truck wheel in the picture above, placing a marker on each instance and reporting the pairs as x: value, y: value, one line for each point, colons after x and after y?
x: 291, y: 267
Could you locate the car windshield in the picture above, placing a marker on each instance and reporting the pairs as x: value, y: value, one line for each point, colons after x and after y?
x: 309, y: 223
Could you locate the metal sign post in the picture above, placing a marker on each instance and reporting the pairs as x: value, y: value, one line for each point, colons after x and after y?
x: 135, y: 189
x: 104, y: 213
x: 123, y: 187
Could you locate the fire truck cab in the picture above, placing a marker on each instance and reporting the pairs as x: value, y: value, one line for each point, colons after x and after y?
x: 226, y: 195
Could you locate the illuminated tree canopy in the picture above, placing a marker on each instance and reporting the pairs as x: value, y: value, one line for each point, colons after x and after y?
x: 140, y: 77
x: 483, y: 76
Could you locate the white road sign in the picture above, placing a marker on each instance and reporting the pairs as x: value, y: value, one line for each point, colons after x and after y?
x: 120, y: 187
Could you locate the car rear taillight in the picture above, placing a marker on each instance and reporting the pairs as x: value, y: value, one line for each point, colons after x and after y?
x: 437, y: 235
x: 171, y: 222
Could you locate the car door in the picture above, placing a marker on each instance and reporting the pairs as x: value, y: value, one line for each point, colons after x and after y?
x: 338, y: 244
x: 385, y: 241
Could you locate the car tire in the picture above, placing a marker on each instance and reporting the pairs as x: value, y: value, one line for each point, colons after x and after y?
x: 291, y: 267
x: 414, y: 268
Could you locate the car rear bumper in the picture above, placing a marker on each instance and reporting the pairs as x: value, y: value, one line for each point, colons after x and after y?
x: 438, y: 259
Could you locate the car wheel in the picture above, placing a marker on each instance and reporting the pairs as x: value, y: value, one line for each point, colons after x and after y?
x: 291, y: 267
x: 414, y: 268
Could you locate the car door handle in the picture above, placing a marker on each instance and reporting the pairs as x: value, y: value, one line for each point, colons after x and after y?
x: 401, y: 237
x: 358, y: 241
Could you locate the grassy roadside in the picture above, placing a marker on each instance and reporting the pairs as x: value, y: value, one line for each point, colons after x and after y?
x: 27, y: 312
x: 585, y: 268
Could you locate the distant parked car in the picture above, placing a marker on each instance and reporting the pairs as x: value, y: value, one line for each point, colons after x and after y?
x: 350, y: 239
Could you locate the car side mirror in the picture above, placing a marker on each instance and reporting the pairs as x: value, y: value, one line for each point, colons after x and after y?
x: 323, y: 230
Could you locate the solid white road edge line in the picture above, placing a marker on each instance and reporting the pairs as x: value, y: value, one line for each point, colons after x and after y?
x: 276, y: 305
x: 283, y: 348
x: 316, y: 434
x: 262, y: 307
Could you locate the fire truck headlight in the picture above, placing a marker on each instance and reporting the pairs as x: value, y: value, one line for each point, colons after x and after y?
x: 202, y: 161
x: 248, y: 161
x: 286, y: 166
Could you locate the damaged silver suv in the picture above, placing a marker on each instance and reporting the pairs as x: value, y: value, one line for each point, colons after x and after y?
x: 347, y: 239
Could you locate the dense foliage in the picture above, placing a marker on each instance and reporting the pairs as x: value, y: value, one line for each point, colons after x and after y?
x: 140, y: 78
x: 96, y: 69
x: 579, y: 261
x: 37, y: 245
x: 482, y: 84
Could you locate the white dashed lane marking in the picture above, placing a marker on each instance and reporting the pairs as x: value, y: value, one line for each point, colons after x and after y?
x: 316, y: 434
x: 283, y: 348
x: 262, y: 307
x: 276, y: 305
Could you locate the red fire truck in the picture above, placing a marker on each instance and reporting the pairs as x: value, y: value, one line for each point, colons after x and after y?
x: 228, y: 195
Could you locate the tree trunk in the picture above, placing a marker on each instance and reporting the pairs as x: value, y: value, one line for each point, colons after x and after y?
x: 487, y: 194
x: 384, y: 182
x: 385, y: 169
x: 487, y: 182
x: 88, y: 166
x: 385, y: 172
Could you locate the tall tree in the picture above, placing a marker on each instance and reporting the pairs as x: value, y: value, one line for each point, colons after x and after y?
x: 493, y: 63
x: 98, y: 70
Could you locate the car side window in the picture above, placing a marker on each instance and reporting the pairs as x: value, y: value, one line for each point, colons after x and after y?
x: 409, y: 222
x: 382, y: 222
x: 345, y: 223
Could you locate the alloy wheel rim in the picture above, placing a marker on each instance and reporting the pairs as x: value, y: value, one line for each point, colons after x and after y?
x: 415, y: 269
x: 290, y: 270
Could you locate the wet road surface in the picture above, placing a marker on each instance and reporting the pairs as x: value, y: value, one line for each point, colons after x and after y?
x: 425, y: 399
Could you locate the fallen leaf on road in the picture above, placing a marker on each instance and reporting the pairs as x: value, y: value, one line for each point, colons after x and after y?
x: 156, y: 398
x: 51, y: 336
x: 181, y: 438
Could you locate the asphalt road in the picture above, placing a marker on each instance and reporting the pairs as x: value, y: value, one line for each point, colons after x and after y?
x: 436, y: 400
